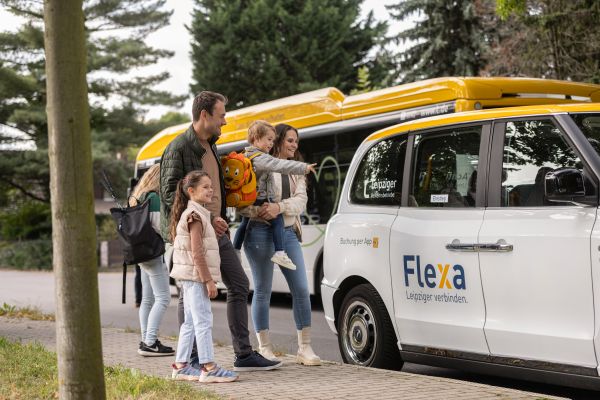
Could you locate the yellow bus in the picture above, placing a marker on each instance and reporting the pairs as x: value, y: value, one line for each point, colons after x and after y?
x: 332, y: 125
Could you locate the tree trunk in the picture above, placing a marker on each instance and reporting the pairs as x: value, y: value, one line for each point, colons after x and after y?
x: 78, y: 335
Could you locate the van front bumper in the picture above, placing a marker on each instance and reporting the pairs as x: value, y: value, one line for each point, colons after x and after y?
x: 327, y: 293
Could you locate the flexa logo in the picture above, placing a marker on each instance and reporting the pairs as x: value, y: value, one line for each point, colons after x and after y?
x: 440, y: 276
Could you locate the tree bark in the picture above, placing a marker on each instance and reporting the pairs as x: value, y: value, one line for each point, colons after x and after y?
x: 78, y: 334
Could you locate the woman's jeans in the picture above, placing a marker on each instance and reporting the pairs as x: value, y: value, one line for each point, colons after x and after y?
x: 198, y: 321
x: 258, y: 247
x: 155, y: 298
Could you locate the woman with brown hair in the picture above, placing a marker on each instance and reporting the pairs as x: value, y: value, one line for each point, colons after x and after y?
x: 155, y: 276
x: 290, y: 201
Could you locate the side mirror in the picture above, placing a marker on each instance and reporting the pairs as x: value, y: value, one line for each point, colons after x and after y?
x: 564, y: 185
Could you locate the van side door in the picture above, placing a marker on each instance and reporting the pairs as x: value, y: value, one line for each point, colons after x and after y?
x: 438, y: 301
x: 535, y: 253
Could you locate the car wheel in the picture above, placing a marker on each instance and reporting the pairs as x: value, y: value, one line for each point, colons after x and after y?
x: 365, y: 333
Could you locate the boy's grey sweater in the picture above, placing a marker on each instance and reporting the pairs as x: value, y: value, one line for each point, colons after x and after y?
x: 265, y: 164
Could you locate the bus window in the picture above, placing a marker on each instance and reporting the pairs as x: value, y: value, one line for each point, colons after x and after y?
x: 332, y: 154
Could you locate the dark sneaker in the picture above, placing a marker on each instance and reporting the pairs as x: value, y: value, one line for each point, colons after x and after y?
x: 254, y: 362
x: 156, y: 350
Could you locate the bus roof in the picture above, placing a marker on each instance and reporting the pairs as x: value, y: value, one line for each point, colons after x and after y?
x: 329, y: 105
x: 474, y: 116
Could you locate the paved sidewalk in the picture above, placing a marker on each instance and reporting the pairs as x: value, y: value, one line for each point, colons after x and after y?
x: 330, y: 381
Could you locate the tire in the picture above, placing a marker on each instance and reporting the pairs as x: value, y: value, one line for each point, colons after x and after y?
x: 366, y: 335
x: 319, y: 278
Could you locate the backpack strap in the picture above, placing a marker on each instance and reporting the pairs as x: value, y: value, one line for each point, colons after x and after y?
x: 124, y: 282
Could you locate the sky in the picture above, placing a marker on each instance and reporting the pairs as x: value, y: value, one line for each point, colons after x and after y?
x: 175, y: 37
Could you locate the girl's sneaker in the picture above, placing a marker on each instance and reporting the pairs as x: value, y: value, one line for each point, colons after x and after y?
x: 217, y: 375
x: 185, y: 373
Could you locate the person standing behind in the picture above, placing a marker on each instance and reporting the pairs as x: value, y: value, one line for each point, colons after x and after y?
x: 193, y: 150
x: 196, y: 264
x: 290, y: 201
x: 154, y: 274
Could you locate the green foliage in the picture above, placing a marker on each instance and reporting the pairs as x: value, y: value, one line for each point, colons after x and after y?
x: 110, y: 60
x: 29, y: 371
x: 557, y: 39
x: 106, y: 228
x: 261, y: 50
x: 32, y: 313
x: 31, y: 220
x: 504, y: 8
x: 447, y: 39
x: 363, y: 83
x: 27, y: 254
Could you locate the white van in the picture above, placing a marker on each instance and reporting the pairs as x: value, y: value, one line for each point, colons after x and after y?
x: 470, y: 241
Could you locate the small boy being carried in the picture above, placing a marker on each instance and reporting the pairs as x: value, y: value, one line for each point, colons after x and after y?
x: 261, y: 136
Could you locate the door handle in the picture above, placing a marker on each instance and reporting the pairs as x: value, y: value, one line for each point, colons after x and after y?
x: 500, y: 246
x: 456, y: 245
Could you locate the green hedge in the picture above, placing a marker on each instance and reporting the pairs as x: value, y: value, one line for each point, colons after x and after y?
x: 27, y: 254
x: 28, y: 221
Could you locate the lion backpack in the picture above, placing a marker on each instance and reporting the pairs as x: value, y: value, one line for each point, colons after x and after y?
x: 240, y: 179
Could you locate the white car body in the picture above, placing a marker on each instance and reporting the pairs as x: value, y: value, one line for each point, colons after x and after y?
x: 529, y: 310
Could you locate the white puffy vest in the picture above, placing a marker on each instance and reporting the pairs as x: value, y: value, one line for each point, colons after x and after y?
x: 183, y: 262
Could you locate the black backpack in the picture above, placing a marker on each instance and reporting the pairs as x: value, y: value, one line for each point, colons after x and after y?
x: 139, y: 240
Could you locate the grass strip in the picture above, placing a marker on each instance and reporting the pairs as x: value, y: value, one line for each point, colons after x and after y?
x: 29, y: 371
x: 33, y: 313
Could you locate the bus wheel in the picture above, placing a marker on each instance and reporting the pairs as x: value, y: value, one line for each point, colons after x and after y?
x: 365, y: 333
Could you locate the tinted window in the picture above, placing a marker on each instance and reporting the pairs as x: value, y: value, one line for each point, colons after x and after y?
x: 445, y: 168
x: 589, y: 123
x: 378, y: 179
x: 532, y: 149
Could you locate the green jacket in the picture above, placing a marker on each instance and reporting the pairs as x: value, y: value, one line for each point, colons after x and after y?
x: 184, y: 154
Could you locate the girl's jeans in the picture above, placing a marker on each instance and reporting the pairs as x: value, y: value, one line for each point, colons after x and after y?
x: 198, y: 323
x: 258, y: 247
x: 155, y: 298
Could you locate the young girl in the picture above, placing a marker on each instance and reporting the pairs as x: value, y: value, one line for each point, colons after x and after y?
x: 196, y: 263
x: 155, y: 276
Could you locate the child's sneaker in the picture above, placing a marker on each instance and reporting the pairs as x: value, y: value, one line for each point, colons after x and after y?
x: 156, y: 350
x: 217, y: 375
x: 185, y: 373
x: 281, y: 258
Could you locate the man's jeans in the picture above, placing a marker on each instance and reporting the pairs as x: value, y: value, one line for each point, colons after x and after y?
x: 155, y: 298
x: 237, y: 284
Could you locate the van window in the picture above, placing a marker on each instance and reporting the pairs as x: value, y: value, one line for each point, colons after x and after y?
x: 532, y: 148
x: 589, y: 123
x: 445, y: 168
x: 378, y: 180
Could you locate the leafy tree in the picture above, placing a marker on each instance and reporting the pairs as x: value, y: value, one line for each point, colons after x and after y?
x: 507, y: 7
x: 557, y: 39
x: 254, y: 51
x: 448, y: 39
x: 111, y: 60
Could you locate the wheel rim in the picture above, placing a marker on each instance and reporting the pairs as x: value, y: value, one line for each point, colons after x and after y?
x: 359, y: 333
